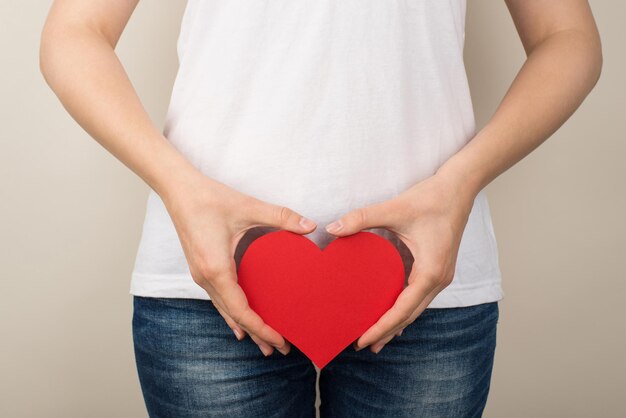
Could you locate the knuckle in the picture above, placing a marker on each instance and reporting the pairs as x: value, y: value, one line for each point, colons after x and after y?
x: 214, y: 270
x: 358, y: 216
x: 447, y: 280
x: 220, y: 283
x: 407, y: 321
x: 434, y: 276
x: 239, y: 314
x: 282, y: 214
x: 199, y: 280
x: 408, y: 317
x: 405, y: 316
x: 430, y: 280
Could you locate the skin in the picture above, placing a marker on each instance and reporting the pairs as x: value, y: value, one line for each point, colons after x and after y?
x: 564, y: 62
x: 78, y: 61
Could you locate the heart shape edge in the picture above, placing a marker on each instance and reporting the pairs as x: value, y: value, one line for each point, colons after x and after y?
x: 324, y: 313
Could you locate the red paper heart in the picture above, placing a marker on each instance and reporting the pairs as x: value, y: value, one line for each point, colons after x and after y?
x: 321, y: 300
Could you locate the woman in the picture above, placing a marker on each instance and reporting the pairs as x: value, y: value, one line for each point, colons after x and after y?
x: 352, y: 114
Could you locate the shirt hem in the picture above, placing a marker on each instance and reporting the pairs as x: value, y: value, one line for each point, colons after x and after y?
x: 183, y: 287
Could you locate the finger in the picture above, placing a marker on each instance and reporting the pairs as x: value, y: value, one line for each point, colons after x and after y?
x: 397, y: 334
x: 378, y: 215
x: 286, y: 348
x: 399, y: 314
x: 236, y: 304
x: 262, y: 213
x: 265, y: 348
x: 237, y: 330
x: 398, y: 330
x: 376, y: 347
x: 226, y: 293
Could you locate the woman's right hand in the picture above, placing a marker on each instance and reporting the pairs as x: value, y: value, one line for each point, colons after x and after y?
x: 210, y: 219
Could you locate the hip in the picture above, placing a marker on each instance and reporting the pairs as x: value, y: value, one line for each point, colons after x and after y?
x: 188, y: 359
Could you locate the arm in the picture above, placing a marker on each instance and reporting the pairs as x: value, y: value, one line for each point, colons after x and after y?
x: 564, y: 61
x: 78, y: 61
x: 563, y: 64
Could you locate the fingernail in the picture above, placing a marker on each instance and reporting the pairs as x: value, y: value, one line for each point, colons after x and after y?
x: 237, y: 334
x: 334, y: 227
x: 357, y: 348
x: 283, y: 350
x: 377, y: 350
x: 266, y: 352
x: 306, y: 223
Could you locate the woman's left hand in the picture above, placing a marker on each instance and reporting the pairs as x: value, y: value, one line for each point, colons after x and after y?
x: 429, y: 218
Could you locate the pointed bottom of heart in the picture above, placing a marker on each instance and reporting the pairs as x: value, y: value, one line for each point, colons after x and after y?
x: 321, y: 300
x: 322, y: 355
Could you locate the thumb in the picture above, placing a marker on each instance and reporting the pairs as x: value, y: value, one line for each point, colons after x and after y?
x: 284, y: 218
x: 372, y: 216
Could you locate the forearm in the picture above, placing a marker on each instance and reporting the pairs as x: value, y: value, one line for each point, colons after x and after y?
x: 556, y: 77
x: 81, y: 67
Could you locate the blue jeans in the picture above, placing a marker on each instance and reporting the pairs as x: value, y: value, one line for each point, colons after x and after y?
x: 191, y: 365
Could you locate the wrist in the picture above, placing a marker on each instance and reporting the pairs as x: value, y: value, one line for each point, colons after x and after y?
x: 462, y: 181
x: 472, y: 167
x: 173, y: 177
x: 182, y: 187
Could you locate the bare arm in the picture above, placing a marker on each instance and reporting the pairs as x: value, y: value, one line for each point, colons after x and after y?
x: 564, y: 60
x: 78, y: 61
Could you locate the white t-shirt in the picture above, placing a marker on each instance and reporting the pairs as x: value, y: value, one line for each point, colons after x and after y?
x: 322, y: 106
